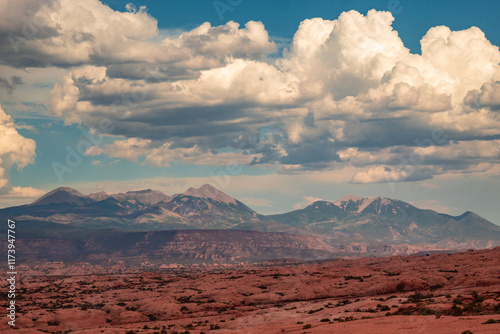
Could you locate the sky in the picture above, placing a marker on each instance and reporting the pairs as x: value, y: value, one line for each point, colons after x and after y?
x: 277, y: 103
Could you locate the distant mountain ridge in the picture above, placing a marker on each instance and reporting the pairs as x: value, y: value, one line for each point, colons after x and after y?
x: 384, y: 220
x: 202, y: 208
x: 349, y: 224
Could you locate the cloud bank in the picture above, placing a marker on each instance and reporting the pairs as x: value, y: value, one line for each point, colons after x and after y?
x: 345, y: 93
x: 15, y: 150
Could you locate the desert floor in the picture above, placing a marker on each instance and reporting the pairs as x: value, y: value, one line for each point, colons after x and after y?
x: 403, y: 294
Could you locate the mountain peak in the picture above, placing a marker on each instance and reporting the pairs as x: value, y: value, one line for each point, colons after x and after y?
x: 63, y: 195
x: 353, y: 198
x: 69, y: 190
x: 359, y: 204
x: 99, y: 196
x: 147, y: 196
x: 208, y: 191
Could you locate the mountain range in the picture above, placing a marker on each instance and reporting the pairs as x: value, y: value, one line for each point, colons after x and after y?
x: 351, y: 225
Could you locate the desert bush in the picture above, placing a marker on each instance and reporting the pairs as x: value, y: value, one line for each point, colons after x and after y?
x: 314, y: 311
x: 344, y: 302
x: 306, y: 326
x: 418, y: 297
x: 477, y: 297
x: 426, y: 311
x: 456, y: 310
x: 496, y: 308
x: 383, y: 307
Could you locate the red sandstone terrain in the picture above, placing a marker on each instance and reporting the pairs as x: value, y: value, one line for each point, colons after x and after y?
x: 440, y: 293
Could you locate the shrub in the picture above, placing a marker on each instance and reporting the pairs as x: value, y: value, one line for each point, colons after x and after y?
x: 477, y: 297
x: 426, y: 311
x: 344, y: 302
x: 316, y: 310
x: 456, y: 310
x: 384, y: 308
x: 325, y: 320
x: 490, y: 321
x: 416, y: 297
x: 306, y: 326
x: 496, y: 308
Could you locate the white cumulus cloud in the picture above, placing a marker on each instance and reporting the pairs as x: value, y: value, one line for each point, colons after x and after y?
x: 348, y: 91
x: 15, y: 150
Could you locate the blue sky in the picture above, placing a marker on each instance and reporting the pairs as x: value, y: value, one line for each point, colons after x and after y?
x: 281, y: 17
x: 352, y: 105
